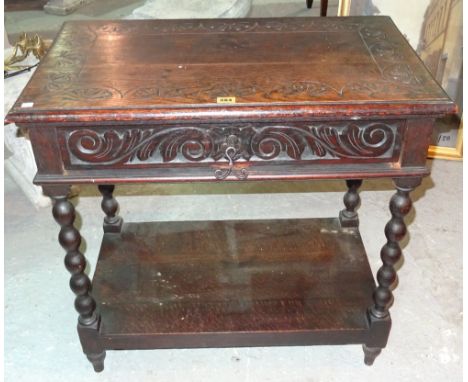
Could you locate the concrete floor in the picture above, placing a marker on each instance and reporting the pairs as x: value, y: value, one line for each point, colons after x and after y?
x: 41, y: 343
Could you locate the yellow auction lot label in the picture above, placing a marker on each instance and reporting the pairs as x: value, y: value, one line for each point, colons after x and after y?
x: 226, y: 100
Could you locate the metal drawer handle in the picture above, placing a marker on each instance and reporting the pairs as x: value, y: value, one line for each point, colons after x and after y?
x: 229, y: 154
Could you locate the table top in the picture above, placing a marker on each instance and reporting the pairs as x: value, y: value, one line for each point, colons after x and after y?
x: 264, y: 68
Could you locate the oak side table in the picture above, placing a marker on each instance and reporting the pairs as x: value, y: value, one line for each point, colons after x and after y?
x: 230, y: 100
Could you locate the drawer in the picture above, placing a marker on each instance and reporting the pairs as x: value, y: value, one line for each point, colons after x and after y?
x: 225, y: 147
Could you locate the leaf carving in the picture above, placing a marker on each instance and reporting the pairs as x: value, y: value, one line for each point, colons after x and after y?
x: 196, y: 144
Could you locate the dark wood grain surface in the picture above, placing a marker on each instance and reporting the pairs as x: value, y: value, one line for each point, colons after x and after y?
x: 264, y: 277
x: 168, y: 69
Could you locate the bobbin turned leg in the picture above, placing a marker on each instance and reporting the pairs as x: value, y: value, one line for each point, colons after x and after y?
x: 351, y: 200
x: 395, y: 230
x: 75, y: 262
x: 112, y: 222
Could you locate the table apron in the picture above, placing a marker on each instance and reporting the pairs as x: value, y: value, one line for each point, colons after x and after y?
x: 231, y: 151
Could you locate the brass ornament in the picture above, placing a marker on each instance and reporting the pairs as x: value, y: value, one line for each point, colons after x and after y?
x: 22, y: 49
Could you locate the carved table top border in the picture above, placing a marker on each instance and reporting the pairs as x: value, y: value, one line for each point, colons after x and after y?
x: 68, y: 62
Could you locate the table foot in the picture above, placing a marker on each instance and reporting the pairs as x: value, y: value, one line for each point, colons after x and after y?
x: 97, y: 360
x: 370, y: 354
x: 89, y: 338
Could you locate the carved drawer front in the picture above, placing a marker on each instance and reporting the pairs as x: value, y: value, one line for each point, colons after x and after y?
x: 225, y: 147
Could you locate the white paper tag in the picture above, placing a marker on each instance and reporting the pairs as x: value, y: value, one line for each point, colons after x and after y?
x: 226, y: 99
x: 27, y: 104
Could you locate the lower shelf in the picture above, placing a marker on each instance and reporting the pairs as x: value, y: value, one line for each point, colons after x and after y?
x: 233, y: 283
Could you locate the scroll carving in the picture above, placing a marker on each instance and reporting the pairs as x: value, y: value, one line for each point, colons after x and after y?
x: 389, y: 60
x: 286, y: 25
x: 206, y: 143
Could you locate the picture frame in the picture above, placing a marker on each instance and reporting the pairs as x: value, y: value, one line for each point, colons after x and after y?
x: 415, y: 36
x: 442, y: 152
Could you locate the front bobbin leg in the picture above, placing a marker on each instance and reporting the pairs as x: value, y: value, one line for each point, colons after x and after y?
x: 75, y: 262
x: 395, y: 230
x: 351, y: 200
x: 112, y: 222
